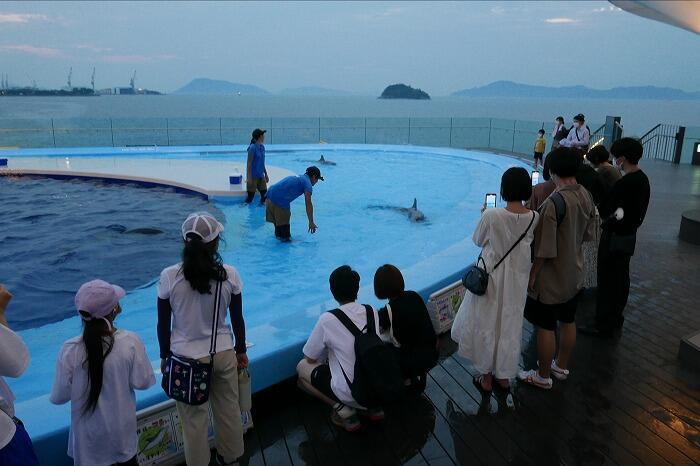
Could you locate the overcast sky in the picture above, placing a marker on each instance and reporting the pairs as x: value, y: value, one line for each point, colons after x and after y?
x: 354, y: 46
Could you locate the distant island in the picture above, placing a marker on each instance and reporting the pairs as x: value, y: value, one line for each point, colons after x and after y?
x: 204, y: 86
x: 402, y: 91
x: 512, y: 89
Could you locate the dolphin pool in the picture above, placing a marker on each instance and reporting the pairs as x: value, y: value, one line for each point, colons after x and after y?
x: 286, y: 285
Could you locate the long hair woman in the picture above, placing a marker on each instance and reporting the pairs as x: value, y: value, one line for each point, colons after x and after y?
x: 98, y: 372
x: 186, y: 301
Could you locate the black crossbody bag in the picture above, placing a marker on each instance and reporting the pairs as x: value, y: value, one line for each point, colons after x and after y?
x: 188, y: 380
x: 476, y: 278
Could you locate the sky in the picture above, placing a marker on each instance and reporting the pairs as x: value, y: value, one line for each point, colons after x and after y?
x: 360, y: 47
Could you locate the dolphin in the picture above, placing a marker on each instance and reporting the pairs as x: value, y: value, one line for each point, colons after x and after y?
x: 144, y: 231
x: 136, y: 231
x: 323, y: 161
x: 414, y: 214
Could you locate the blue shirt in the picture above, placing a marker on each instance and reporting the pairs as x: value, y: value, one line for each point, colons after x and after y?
x: 258, y: 166
x: 283, y: 193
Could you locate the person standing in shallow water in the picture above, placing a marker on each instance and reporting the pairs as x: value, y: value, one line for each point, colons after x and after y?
x: 282, y: 194
x: 256, y: 173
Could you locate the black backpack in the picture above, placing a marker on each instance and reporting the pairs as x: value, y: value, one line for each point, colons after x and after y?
x: 377, y: 379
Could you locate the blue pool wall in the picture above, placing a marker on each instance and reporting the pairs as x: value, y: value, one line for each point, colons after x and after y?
x: 48, y: 424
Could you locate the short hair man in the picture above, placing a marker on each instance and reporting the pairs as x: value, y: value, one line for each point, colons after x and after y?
x: 281, y: 195
x: 566, y: 221
x: 617, y: 243
x: 329, y: 381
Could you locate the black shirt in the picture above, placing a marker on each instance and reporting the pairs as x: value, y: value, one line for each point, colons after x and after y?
x: 590, y: 179
x: 631, y: 192
x: 411, y: 322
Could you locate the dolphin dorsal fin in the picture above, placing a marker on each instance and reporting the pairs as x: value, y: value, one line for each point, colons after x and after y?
x: 322, y: 158
x: 415, y: 203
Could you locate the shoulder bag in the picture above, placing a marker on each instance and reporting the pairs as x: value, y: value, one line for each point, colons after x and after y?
x: 188, y: 380
x: 476, y: 278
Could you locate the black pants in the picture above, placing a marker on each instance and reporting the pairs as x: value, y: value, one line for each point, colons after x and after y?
x: 613, y: 286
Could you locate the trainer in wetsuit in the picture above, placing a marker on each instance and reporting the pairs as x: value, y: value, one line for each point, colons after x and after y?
x: 281, y: 195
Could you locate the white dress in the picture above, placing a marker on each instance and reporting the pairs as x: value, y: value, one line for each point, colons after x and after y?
x: 488, y: 328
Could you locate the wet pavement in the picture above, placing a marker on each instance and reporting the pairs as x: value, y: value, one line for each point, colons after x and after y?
x: 627, y: 401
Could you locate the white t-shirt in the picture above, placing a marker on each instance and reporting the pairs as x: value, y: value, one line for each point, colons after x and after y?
x: 14, y: 359
x: 108, y: 434
x: 193, y: 312
x: 330, y: 338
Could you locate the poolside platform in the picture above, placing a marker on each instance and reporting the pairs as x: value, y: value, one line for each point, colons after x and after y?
x: 208, y: 178
x: 628, y: 401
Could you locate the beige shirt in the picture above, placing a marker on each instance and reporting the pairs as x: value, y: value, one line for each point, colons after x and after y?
x: 561, y: 275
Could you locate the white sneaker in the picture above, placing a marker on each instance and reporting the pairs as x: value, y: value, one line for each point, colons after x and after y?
x: 532, y: 377
x: 558, y: 372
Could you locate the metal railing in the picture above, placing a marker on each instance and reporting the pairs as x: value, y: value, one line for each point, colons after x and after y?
x: 661, y: 142
x: 597, y: 137
x: 516, y: 136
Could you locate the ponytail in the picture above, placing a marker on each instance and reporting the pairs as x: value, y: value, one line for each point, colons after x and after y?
x: 202, y: 263
x: 98, y: 340
x: 253, y: 141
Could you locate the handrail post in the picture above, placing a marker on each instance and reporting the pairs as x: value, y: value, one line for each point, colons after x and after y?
x: 221, y: 136
x: 409, y: 130
x: 319, y: 129
x: 111, y: 131
x: 451, y: 131
x: 167, y: 131
x: 512, y: 147
x: 490, y: 125
x: 365, y: 130
x: 53, y: 133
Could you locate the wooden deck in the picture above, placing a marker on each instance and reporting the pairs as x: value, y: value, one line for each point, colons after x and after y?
x: 627, y: 401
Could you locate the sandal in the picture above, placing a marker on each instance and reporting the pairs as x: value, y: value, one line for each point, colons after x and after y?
x: 533, y: 378
x: 476, y: 380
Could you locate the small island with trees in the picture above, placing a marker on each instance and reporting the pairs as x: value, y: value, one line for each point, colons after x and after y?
x: 402, y: 91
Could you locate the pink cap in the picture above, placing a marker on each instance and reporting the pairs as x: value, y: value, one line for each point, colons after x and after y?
x: 98, y: 298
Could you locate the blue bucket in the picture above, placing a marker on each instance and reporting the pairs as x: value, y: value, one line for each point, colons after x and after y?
x: 235, y: 179
x: 3, y: 162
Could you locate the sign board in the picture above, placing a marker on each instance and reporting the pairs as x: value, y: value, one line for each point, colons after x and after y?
x: 443, y: 306
x: 160, y: 439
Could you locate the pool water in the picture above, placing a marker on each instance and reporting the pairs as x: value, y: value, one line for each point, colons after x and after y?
x: 56, y: 235
x: 286, y: 285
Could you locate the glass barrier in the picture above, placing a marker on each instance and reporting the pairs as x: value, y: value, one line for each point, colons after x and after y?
x: 516, y: 136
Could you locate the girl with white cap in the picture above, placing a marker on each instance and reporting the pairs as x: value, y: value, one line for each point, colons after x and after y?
x: 186, y: 318
x: 98, y: 372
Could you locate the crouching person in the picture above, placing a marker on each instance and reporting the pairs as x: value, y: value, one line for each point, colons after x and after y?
x: 407, y: 321
x: 345, y: 362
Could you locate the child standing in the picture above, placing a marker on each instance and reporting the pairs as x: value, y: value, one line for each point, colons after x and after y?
x: 98, y: 372
x: 256, y: 173
x: 540, y: 145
